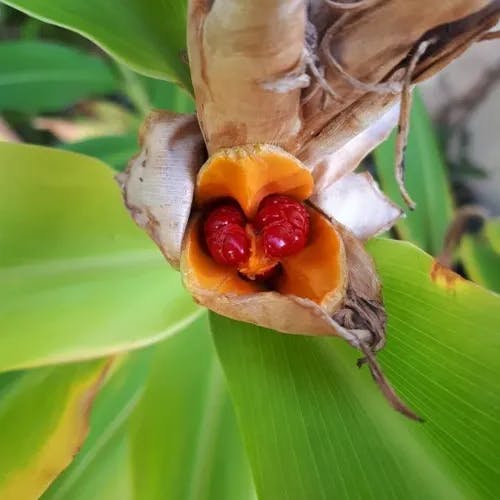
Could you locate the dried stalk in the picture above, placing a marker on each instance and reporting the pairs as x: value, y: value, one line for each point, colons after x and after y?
x: 404, y: 122
x: 491, y: 35
x: 357, y: 4
x: 460, y: 226
x: 384, y: 385
x: 247, y: 68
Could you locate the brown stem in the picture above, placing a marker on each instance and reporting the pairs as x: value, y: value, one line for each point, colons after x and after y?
x: 490, y: 35
x: 457, y: 229
x: 387, y: 390
x: 356, y: 4
x: 404, y: 121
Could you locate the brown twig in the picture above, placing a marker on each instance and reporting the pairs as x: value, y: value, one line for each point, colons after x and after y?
x: 387, y: 390
x: 457, y: 229
x: 356, y: 4
x: 404, y: 121
x: 457, y: 110
x: 490, y: 35
x: 320, y: 80
x: 390, y: 87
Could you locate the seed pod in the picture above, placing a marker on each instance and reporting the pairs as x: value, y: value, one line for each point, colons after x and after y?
x: 291, y: 96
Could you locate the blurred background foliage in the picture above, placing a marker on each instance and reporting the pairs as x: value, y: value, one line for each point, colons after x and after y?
x: 239, y: 412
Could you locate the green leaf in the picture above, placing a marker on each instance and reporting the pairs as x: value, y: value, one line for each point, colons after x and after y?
x: 480, y: 255
x: 79, y: 279
x: 184, y: 439
x: 114, y: 150
x: 40, y: 76
x: 103, y: 463
x: 164, y: 95
x: 106, y: 477
x: 149, y: 93
x: 148, y: 36
x: 43, y: 421
x: 426, y: 181
x: 317, y: 427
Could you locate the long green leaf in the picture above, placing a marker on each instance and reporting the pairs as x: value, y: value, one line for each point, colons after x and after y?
x: 102, y: 468
x: 44, y: 417
x: 480, y: 255
x: 426, y: 180
x: 148, y: 36
x: 115, y: 151
x: 184, y: 439
x: 40, y: 76
x: 316, y: 427
x: 78, y: 278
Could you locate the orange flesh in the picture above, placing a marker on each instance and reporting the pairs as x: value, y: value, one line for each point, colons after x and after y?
x: 258, y: 265
x: 317, y: 271
x: 206, y: 273
x: 249, y: 174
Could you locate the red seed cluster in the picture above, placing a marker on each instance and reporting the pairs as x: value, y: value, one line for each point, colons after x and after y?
x: 225, y: 234
x: 281, y: 225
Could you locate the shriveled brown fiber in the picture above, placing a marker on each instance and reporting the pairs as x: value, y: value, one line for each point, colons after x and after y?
x: 241, y: 53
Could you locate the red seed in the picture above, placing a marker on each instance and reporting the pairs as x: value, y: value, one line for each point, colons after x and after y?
x: 225, y: 235
x: 283, y: 224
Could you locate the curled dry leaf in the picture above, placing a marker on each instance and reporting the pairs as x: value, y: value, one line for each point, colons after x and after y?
x: 291, y: 96
x: 158, y: 185
x: 235, y: 58
x: 357, y: 202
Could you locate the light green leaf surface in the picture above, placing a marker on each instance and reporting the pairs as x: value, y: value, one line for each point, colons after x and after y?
x: 44, y: 417
x: 150, y: 37
x: 79, y: 279
x: 114, y: 150
x: 184, y: 440
x: 164, y: 95
x: 108, y: 477
x: 317, y: 427
x: 426, y: 181
x: 102, y: 468
x: 480, y: 254
x: 38, y: 76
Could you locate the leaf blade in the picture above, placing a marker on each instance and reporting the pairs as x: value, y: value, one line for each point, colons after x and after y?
x: 78, y: 263
x: 154, y: 43
x: 41, y: 76
x: 186, y: 392
x: 34, y: 451
x: 480, y: 254
x: 304, y: 395
x: 89, y: 474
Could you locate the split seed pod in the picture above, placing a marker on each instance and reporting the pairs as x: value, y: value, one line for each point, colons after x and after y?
x: 270, y: 122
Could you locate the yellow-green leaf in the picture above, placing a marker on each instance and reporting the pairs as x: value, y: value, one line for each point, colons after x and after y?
x: 78, y: 278
x: 102, y: 467
x: 184, y: 440
x: 44, y: 417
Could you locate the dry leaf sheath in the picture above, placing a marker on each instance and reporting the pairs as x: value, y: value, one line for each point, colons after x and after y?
x: 255, y: 199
